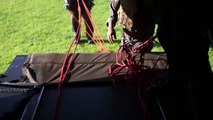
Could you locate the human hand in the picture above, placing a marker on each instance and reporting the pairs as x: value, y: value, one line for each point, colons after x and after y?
x: 111, y: 35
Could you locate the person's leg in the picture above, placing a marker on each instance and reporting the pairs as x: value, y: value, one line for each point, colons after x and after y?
x: 175, y: 96
x: 89, y: 27
x: 190, y: 76
x: 75, y: 26
x: 75, y: 22
x: 200, y: 69
x: 85, y: 10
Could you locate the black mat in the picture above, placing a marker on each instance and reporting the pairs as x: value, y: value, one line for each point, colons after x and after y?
x: 82, y: 101
x: 14, y: 71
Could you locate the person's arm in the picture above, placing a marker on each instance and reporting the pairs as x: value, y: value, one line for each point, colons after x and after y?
x: 111, y: 34
x: 111, y: 22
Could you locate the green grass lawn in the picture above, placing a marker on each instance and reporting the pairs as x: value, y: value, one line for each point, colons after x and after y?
x: 43, y: 26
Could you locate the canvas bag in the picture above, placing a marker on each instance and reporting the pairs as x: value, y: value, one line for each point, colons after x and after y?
x: 46, y: 68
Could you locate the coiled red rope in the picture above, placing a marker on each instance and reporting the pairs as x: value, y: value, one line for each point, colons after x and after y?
x: 136, y: 73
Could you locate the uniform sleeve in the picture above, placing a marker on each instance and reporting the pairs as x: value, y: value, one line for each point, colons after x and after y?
x: 113, y: 15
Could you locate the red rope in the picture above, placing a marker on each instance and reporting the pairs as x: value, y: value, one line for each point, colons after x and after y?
x: 99, y: 41
x: 124, y: 61
x: 68, y: 60
x: 136, y: 72
x: 66, y: 67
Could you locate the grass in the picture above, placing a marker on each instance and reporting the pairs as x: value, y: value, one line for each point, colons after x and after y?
x: 43, y: 26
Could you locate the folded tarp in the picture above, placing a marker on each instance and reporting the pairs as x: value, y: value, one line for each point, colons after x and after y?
x: 46, y: 68
x: 81, y: 99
